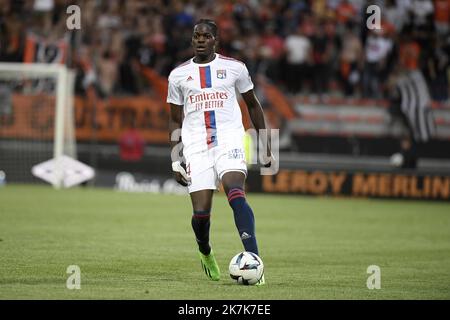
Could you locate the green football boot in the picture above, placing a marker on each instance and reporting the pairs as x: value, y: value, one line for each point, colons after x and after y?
x: 210, y: 266
x: 261, y: 281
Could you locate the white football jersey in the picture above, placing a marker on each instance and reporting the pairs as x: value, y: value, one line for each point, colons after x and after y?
x: 207, y: 93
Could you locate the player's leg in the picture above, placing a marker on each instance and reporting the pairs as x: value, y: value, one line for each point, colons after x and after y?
x: 201, y: 205
x: 233, y: 184
x: 203, y: 184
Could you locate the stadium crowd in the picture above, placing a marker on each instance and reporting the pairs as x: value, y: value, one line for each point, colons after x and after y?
x: 320, y: 47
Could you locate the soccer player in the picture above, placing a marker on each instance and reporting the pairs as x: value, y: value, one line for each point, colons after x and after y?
x: 203, y: 103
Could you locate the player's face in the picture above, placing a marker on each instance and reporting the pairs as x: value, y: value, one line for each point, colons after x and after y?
x: 203, y: 41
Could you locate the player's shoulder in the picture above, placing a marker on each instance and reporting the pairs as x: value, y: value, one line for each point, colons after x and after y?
x: 180, y: 69
x: 231, y: 61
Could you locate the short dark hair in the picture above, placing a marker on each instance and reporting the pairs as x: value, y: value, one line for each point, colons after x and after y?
x: 211, y: 23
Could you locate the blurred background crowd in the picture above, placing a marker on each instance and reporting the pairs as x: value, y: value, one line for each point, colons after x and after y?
x: 321, y: 48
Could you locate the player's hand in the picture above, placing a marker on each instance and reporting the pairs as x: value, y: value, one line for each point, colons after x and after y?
x: 180, y: 174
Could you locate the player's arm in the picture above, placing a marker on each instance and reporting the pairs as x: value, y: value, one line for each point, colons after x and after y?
x: 257, y: 116
x: 175, y: 124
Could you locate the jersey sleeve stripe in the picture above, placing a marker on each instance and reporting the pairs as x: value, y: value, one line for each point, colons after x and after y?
x: 183, y: 64
x: 230, y: 59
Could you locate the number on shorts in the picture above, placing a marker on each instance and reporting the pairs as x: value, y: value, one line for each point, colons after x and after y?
x: 188, y: 169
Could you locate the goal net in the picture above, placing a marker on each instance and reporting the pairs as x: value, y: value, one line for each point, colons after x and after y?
x: 36, y: 118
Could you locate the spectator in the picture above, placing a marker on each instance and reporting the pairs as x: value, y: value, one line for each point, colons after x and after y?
x: 351, y: 61
x: 409, y: 53
x: 378, y: 47
x: 11, y: 39
x: 394, y: 15
x: 264, y: 34
x: 410, y: 105
x: 345, y: 13
x: 107, y: 71
x: 131, y: 145
x: 422, y: 11
x: 436, y: 72
x: 321, y: 56
x: 442, y: 16
x: 298, y: 57
x: 272, y: 50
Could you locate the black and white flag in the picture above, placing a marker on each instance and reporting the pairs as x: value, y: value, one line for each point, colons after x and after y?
x: 415, y: 104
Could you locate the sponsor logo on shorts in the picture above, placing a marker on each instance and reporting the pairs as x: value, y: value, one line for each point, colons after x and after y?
x: 236, y: 154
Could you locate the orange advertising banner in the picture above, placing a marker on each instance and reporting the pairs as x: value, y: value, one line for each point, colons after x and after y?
x: 28, y: 117
x: 355, y: 184
x: 32, y: 117
x: 106, y: 120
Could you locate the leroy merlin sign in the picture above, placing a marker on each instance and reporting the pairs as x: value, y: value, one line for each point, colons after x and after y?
x: 358, y: 184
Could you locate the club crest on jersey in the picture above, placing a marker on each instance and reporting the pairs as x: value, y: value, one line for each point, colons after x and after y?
x: 221, y: 74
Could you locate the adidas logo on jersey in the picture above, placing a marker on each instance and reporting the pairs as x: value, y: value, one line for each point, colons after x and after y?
x: 190, y: 78
x: 245, y: 235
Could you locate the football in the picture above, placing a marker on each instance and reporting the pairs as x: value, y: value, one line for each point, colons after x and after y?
x: 246, y: 268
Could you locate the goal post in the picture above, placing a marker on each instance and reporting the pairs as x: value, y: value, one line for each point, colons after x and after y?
x: 35, y: 89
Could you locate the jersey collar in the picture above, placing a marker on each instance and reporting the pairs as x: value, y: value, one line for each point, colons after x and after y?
x: 216, y: 55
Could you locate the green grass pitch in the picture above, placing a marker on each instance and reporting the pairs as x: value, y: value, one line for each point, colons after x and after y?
x: 141, y: 246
